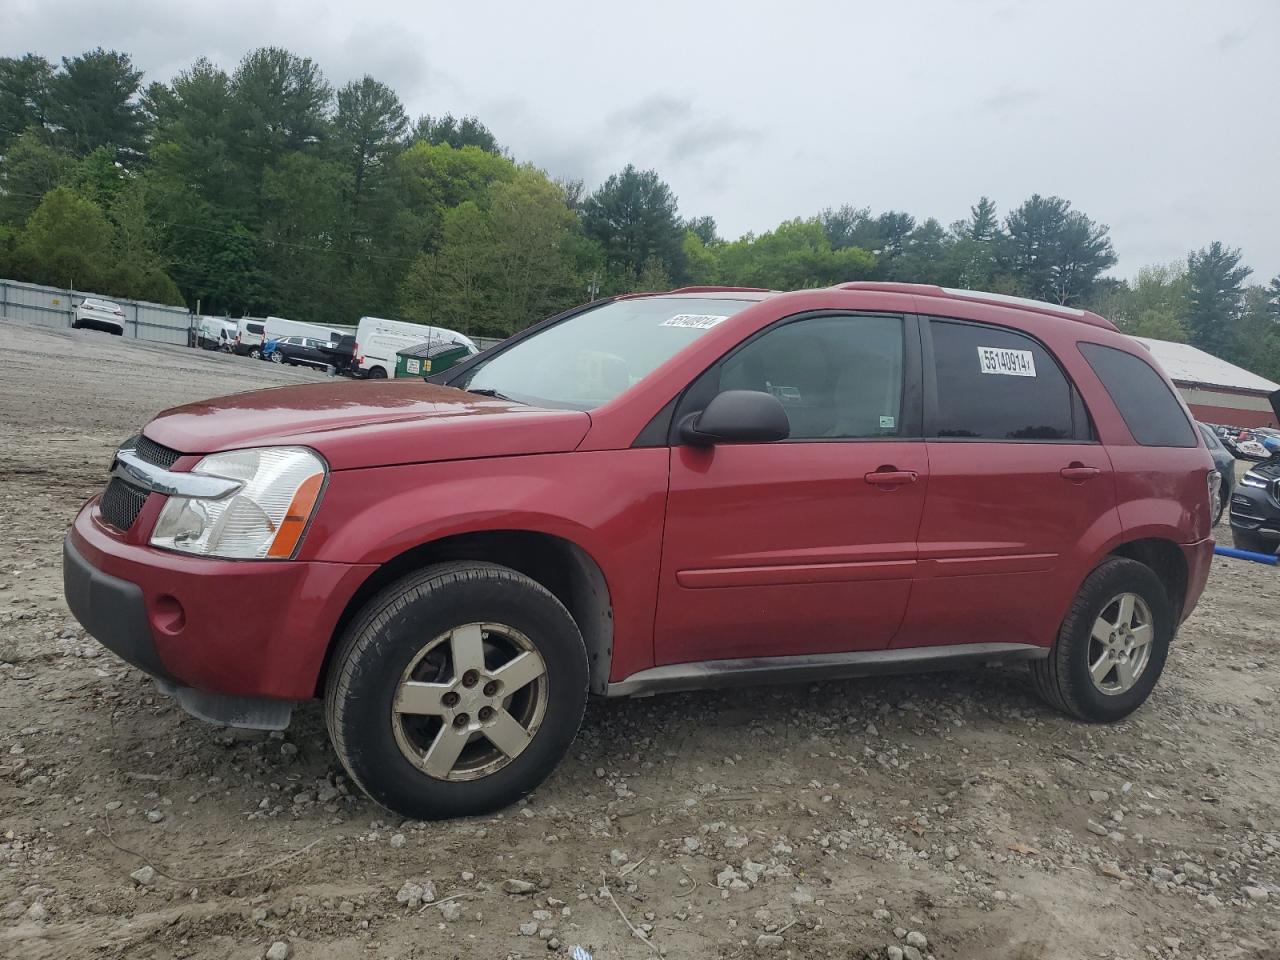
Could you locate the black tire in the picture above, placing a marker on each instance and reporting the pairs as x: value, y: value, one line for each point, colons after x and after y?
x: 377, y: 373
x: 388, y: 634
x: 1062, y: 678
x: 255, y: 354
x: 1243, y: 540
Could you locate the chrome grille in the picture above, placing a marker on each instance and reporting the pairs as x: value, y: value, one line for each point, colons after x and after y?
x: 121, y: 504
x: 153, y: 452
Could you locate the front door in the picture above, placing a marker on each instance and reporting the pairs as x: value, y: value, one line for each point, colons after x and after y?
x: 803, y: 546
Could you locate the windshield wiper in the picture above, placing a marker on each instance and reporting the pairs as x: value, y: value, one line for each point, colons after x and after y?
x: 490, y: 392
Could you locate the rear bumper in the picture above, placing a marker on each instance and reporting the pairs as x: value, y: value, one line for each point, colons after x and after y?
x: 1199, y: 557
x: 238, y: 629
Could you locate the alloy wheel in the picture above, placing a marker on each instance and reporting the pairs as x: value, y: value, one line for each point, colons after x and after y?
x: 470, y: 701
x: 1120, y: 644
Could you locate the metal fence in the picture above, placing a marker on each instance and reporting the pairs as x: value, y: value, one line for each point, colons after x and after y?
x: 53, y: 307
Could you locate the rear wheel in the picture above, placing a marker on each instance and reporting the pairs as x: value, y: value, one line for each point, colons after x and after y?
x: 456, y: 691
x: 255, y: 353
x: 377, y: 373
x: 1112, y: 645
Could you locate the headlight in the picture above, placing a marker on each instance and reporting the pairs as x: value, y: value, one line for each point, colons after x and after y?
x: 1251, y: 479
x: 264, y: 519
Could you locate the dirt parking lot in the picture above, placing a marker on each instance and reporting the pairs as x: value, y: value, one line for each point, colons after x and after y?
x: 945, y: 815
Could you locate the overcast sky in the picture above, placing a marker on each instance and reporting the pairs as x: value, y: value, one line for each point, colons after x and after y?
x: 1161, y: 118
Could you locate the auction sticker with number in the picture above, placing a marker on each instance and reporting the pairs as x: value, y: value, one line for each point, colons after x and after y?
x: 694, y: 321
x: 1009, y: 363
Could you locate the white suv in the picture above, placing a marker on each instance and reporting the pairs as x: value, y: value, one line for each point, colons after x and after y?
x: 98, y: 314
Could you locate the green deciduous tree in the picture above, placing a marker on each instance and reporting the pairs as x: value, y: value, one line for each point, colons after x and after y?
x: 798, y: 253
x: 67, y: 242
x: 502, y: 262
x: 29, y: 170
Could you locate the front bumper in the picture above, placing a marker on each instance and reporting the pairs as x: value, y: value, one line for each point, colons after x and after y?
x: 247, y: 630
x: 1253, y: 511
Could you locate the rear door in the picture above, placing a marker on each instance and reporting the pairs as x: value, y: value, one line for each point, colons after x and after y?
x: 1018, y: 490
x: 804, y: 546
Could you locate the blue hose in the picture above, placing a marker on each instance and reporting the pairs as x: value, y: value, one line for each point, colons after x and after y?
x: 1270, y: 559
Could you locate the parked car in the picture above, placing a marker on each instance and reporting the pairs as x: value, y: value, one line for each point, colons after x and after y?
x: 250, y: 336
x: 1255, y: 508
x: 694, y: 489
x: 301, y: 351
x: 377, y: 341
x: 98, y: 315
x: 1226, y: 466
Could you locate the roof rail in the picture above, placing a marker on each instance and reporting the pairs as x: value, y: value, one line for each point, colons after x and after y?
x: 717, y: 289
x: 982, y: 296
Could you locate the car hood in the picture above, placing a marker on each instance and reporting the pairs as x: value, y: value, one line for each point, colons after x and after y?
x: 370, y: 423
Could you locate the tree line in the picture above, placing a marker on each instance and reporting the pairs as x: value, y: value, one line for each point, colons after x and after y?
x: 265, y: 190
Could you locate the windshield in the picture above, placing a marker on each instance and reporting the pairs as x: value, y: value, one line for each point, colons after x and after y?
x: 589, y: 359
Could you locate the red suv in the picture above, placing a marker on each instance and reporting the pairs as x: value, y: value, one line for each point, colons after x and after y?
x: 693, y: 489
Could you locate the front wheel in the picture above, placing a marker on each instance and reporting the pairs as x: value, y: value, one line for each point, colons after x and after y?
x: 1112, y: 645
x: 277, y: 357
x: 456, y: 691
x: 377, y: 373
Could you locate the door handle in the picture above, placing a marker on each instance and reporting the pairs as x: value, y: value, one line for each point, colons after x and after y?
x: 889, y: 477
x: 1078, y: 472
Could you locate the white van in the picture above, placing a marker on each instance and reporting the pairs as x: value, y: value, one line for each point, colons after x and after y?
x: 250, y: 333
x: 378, y: 341
x: 216, y: 333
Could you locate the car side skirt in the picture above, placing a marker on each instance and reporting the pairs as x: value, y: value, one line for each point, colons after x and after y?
x: 710, y: 674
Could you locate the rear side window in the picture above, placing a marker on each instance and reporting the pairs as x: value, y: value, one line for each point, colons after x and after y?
x: 1150, y: 411
x: 994, y: 384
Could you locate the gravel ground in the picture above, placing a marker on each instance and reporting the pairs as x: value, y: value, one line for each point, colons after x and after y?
x: 946, y: 815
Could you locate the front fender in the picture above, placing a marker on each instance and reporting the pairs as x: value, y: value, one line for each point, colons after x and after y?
x: 608, y: 503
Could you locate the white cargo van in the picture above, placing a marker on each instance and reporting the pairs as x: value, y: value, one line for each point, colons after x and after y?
x: 216, y: 333
x: 250, y: 332
x: 378, y: 340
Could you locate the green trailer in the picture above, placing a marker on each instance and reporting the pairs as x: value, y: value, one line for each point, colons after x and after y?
x: 427, y: 358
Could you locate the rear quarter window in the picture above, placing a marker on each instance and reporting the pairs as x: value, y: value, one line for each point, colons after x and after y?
x: 1150, y: 410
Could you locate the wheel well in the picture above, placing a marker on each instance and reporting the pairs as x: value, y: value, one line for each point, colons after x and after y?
x: 1166, y: 559
x: 564, y: 568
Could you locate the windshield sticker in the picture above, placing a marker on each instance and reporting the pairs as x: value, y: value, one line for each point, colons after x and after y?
x: 1008, y: 363
x: 694, y: 321
x: 887, y: 423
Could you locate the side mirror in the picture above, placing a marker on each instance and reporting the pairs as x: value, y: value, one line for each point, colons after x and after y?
x: 737, y: 416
